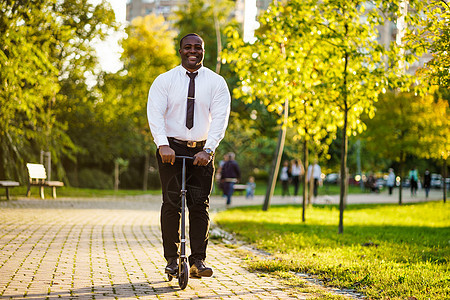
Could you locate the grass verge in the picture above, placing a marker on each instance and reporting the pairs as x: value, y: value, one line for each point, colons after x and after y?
x: 386, y: 251
x: 67, y: 191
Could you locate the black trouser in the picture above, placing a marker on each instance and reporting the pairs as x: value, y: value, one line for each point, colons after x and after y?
x: 198, y: 185
x: 316, y: 186
x: 285, y: 187
x: 295, y: 182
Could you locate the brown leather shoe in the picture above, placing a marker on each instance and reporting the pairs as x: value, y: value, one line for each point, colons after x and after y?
x: 198, y: 270
x: 172, y: 266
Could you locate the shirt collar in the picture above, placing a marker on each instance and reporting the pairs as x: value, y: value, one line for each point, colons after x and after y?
x: 183, y: 70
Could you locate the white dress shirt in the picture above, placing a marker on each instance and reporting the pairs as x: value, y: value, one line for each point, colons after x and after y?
x: 167, y: 101
x: 296, y: 170
x: 316, y: 171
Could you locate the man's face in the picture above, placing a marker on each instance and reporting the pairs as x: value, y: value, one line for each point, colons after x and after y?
x: 192, y: 53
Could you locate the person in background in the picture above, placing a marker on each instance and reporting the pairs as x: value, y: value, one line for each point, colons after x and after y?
x: 413, y: 180
x: 390, y: 182
x: 219, y: 179
x: 297, y: 171
x: 284, y: 178
x: 372, y: 183
x: 250, y: 190
x: 427, y: 182
x: 314, y: 173
x: 231, y: 174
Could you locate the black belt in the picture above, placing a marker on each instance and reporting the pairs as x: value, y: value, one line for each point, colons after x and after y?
x: 190, y: 144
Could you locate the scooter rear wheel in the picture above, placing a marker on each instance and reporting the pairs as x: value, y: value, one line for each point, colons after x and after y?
x: 183, y: 276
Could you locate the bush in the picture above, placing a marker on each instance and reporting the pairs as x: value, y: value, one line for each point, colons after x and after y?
x: 95, y: 179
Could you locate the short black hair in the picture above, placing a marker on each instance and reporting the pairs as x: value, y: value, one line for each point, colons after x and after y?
x: 190, y: 34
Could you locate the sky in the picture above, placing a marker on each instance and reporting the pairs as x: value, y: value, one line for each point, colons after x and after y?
x: 109, y: 51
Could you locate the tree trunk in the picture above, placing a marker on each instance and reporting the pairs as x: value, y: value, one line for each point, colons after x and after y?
x: 219, y: 42
x: 344, y: 149
x: 445, y: 183
x: 400, y: 173
x: 305, y: 180
x: 275, y: 168
x: 116, y: 176
x: 146, y: 167
x: 310, y: 186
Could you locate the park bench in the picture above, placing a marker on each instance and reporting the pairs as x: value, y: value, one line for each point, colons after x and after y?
x: 38, y: 177
x: 8, y: 184
x: 240, y: 187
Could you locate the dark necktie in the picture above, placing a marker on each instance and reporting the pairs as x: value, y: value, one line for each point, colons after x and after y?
x: 190, y: 101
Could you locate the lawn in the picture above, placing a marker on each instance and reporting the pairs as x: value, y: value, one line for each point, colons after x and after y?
x: 67, y: 191
x: 385, y: 252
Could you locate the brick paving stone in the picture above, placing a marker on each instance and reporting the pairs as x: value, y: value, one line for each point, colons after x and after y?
x: 108, y: 248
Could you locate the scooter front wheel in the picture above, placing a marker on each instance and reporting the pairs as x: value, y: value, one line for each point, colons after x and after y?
x: 183, y: 276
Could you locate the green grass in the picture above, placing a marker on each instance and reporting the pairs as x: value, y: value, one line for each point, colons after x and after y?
x: 75, y: 192
x: 84, y: 192
x: 386, y: 251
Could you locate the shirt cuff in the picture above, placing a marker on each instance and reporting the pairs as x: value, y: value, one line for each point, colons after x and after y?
x: 211, y: 145
x: 161, y: 140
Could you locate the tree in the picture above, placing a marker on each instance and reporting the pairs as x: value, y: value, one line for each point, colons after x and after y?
x: 354, y: 77
x: 148, y: 51
x: 25, y: 84
x: 44, y: 49
x: 208, y: 18
x: 431, y: 34
x: 403, y: 126
x: 277, y: 73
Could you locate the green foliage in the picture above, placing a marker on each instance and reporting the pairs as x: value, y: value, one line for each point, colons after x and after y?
x: 27, y: 85
x: 95, y: 179
x: 335, y: 69
x: 44, y: 55
x: 323, y: 60
x: 207, y: 18
x: 387, y: 251
x: 408, y: 125
x: 431, y: 34
x: 117, y: 121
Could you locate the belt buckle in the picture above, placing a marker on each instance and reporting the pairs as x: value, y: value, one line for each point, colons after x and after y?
x: 191, y: 144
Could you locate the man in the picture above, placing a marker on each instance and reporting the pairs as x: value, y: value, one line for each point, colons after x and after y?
x: 314, y: 173
x: 413, y: 179
x: 390, y: 182
x: 188, y: 109
x: 427, y: 182
x: 230, y: 175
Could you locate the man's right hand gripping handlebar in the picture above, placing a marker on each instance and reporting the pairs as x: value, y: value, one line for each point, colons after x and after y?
x: 167, y: 154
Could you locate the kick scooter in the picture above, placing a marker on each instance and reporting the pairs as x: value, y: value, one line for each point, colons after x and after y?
x: 183, y: 271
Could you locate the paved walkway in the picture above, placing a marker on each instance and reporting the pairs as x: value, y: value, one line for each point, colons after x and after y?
x: 106, y: 249
x: 111, y: 248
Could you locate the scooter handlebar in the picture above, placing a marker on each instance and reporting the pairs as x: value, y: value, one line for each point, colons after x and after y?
x: 185, y: 157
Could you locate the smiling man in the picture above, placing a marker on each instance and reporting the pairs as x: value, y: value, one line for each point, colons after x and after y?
x: 188, y: 109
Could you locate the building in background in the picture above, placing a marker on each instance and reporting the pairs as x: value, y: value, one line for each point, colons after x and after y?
x: 140, y: 8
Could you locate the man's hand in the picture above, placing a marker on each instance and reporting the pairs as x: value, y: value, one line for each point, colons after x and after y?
x: 167, y: 154
x: 202, y: 158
